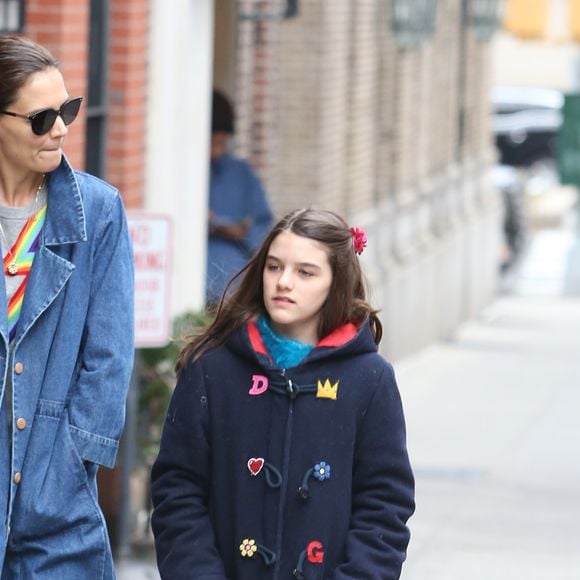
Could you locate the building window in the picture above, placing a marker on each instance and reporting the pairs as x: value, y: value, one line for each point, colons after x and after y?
x: 95, y: 142
x: 11, y: 16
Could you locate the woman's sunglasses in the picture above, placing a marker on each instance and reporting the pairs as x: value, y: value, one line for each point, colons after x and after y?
x: 43, y: 121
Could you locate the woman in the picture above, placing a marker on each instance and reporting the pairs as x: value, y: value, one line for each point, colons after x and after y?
x: 283, y: 454
x: 66, y: 339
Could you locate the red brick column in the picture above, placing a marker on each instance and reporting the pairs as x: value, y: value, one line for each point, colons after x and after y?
x: 129, y: 24
x: 62, y: 26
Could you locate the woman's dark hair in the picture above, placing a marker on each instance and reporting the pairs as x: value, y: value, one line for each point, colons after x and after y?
x: 346, y: 301
x: 19, y: 59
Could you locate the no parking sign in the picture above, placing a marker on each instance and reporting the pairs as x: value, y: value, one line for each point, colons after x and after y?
x: 151, y: 235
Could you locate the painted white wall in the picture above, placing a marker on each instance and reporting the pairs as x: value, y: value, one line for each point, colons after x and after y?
x: 178, y: 128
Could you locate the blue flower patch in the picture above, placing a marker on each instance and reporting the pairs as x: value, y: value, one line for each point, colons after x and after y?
x: 322, y: 471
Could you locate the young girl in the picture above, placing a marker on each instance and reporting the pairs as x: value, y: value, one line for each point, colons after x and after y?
x: 283, y: 453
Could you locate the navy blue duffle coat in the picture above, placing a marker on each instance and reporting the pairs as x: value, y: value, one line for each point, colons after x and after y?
x: 268, y: 473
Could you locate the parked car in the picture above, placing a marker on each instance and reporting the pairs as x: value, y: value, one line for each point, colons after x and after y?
x: 526, y: 122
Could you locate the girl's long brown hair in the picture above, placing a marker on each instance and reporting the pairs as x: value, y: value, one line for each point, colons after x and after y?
x: 346, y: 300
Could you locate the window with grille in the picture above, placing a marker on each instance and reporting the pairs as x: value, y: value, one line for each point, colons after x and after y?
x: 11, y: 16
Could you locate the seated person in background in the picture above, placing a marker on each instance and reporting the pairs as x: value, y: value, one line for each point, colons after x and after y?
x: 239, y: 213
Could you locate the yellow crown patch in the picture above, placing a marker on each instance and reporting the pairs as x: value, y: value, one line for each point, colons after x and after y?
x: 326, y: 390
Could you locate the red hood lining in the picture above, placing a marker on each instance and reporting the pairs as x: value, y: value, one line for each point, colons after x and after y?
x: 336, y: 338
x: 256, y: 338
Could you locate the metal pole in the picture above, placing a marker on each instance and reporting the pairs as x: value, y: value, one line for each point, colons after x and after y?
x: 128, y: 455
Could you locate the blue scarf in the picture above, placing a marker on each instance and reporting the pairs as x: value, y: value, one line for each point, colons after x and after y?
x: 285, y: 352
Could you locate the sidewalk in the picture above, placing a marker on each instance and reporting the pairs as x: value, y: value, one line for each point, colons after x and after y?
x: 494, y: 432
x: 136, y: 569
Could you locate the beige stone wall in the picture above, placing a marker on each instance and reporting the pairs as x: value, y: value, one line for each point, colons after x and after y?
x: 395, y: 140
x: 362, y: 101
x: 258, y: 61
x: 314, y: 76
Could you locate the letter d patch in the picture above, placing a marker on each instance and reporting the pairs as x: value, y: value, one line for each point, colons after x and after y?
x: 259, y: 385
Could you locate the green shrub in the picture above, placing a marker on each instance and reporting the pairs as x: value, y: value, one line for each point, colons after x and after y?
x: 157, y: 381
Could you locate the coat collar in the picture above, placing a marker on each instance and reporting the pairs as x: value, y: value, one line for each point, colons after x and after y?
x: 65, y: 216
x: 337, y: 338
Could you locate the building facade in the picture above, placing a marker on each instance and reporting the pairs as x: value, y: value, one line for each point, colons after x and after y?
x: 335, y: 111
x: 336, y: 108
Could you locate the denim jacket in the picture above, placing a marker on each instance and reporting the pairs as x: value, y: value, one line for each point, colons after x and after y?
x: 70, y: 365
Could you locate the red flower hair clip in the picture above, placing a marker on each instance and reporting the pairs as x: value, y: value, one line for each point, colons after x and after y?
x: 359, y: 240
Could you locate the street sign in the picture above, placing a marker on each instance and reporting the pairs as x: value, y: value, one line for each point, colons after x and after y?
x: 151, y: 235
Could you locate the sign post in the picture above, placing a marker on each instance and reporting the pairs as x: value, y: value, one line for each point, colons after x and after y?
x: 151, y: 235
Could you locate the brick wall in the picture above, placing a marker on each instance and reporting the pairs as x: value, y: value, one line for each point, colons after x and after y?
x: 62, y: 26
x: 444, y: 124
x: 127, y: 98
x: 333, y: 105
x: 314, y: 106
x: 363, y: 106
x: 300, y: 118
x: 257, y: 86
x: 402, y: 107
x: 374, y: 131
x: 386, y: 109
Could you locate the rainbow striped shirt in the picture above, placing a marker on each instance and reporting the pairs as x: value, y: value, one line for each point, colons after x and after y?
x: 19, y: 261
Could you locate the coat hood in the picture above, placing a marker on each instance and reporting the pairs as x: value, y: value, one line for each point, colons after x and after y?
x: 347, y: 340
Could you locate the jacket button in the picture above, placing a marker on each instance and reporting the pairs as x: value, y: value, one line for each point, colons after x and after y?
x: 18, y: 368
x: 17, y: 477
x: 21, y: 423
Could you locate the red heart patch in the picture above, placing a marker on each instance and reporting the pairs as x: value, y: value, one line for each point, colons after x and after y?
x: 255, y: 465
